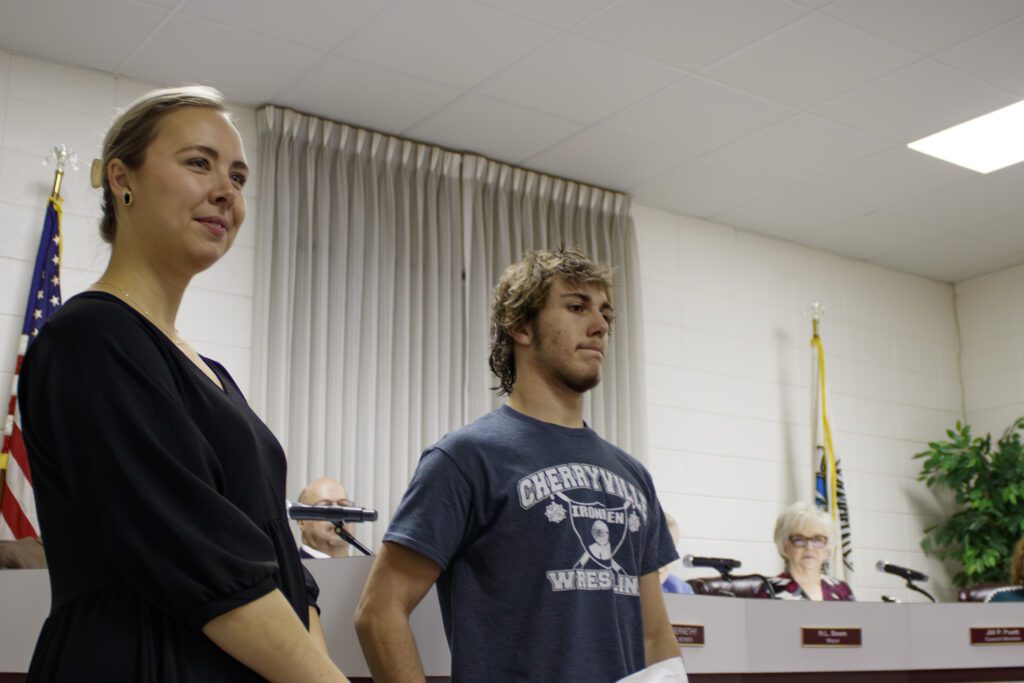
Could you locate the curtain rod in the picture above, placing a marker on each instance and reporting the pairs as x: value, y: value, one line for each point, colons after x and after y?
x: 448, y: 149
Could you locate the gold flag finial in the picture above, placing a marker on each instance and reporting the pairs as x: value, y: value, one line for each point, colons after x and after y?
x: 817, y: 311
x: 62, y: 156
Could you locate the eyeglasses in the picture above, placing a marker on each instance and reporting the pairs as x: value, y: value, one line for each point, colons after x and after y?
x: 344, y: 502
x: 816, y: 542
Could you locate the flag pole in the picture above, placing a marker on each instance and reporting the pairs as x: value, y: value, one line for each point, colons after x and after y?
x: 61, y: 156
x: 830, y: 493
x: 817, y: 310
x: 58, y: 176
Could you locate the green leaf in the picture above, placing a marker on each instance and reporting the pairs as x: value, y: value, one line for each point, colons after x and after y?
x: 986, y: 479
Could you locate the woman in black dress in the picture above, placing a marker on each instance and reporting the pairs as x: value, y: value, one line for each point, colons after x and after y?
x: 160, y: 494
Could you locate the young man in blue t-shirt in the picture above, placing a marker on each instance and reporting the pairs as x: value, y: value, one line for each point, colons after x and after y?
x: 544, y: 539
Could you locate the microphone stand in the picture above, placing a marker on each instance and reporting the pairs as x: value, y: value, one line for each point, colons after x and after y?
x: 764, y: 581
x: 911, y: 586
x: 341, y: 531
x: 727, y: 575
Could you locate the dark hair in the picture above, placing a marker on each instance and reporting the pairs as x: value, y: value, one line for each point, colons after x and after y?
x: 130, y: 135
x: 521, y: 293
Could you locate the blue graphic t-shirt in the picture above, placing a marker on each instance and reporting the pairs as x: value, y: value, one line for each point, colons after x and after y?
x: 543, y: 533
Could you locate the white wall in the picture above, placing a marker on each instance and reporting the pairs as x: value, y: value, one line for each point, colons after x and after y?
x: 728, y: 363
x: 992, y: 361
x: 44, y: 104
x: 728, y: 373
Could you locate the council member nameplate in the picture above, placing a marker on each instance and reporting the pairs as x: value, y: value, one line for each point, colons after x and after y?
x: 1001, y: 635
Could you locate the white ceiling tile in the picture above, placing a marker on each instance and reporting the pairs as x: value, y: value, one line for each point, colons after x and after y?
x: 926, y: 25
x: 247, y: 67
x: 67, y: 86
x: 951, y: 258
x: 99, y: 34
x: 606, y: 159
x: 995, y: 56
x: 872, y: 235
x: 814, y: 4
x: 702, y: 189
x: 651, y: 116
x: 318, y: 23
x: 690, y: 34
x: 579, y: 79
x: 798, y: 148
x: 503, y: 131
x: 697, y: 116
x: 919, y: 100
x: 457, y: 42
x: 127, y: 90
x: 890, y: 176
x: 792, y: 212
x: 365, y: 95
x: 1007, y: 231
x: 166, y: 4
x: 811, y: 61
x: 564, y: 13
x: 978, y: 201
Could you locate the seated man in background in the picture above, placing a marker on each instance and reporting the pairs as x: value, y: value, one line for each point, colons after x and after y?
x: 670, y: 583
x: 26, y: 553
x: 804, y: 536
x: 319, y: 539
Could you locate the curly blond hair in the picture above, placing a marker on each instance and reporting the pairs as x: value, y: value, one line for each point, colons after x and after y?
x: 523, y: 290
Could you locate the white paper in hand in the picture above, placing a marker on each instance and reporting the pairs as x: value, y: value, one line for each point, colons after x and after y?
x: 667, y: 671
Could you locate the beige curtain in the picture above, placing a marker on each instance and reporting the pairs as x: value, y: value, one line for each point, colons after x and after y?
x: 375, y: 261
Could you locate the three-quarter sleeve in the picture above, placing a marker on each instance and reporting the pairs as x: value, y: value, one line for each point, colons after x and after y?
x: 105, y: 423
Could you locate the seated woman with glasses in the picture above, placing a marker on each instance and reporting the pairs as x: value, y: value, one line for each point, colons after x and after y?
x: 803, y: 535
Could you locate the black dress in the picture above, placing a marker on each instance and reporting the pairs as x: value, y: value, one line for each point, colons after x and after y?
x: 160, y: 499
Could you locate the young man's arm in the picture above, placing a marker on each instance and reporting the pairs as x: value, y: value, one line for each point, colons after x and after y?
x: 659, y: 641
x: 398, y: 581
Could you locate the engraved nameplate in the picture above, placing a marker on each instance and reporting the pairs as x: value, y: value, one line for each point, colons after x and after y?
x: 831, y: 636
x: 1004, y: 635
x: 689, y: 635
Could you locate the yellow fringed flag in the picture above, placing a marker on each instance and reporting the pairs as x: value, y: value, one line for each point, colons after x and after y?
x: 830, y: 492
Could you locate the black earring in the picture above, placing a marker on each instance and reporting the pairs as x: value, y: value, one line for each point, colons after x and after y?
x: 127, y: 198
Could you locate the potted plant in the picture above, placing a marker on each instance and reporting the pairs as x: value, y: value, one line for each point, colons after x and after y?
x: 988, y: 486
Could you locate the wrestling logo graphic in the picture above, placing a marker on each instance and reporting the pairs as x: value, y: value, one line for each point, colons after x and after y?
x: 599, y: 530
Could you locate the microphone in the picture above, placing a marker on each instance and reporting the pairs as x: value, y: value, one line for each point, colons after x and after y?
x: 720, y: 564
x: 337, y: 514
x: 902, y: 572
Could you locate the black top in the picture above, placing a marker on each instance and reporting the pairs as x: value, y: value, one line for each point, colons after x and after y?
x: 160, y: 499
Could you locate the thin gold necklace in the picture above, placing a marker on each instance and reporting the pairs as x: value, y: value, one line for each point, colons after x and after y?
x: 180, y: 341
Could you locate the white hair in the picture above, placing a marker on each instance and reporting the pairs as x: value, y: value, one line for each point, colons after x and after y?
x: 802, y: 516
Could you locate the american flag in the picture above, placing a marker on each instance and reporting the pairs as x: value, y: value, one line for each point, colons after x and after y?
x: 16, y: 499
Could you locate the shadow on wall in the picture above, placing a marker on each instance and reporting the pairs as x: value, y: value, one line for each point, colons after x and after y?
x: 787, y: 378
x: 932, y: 506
